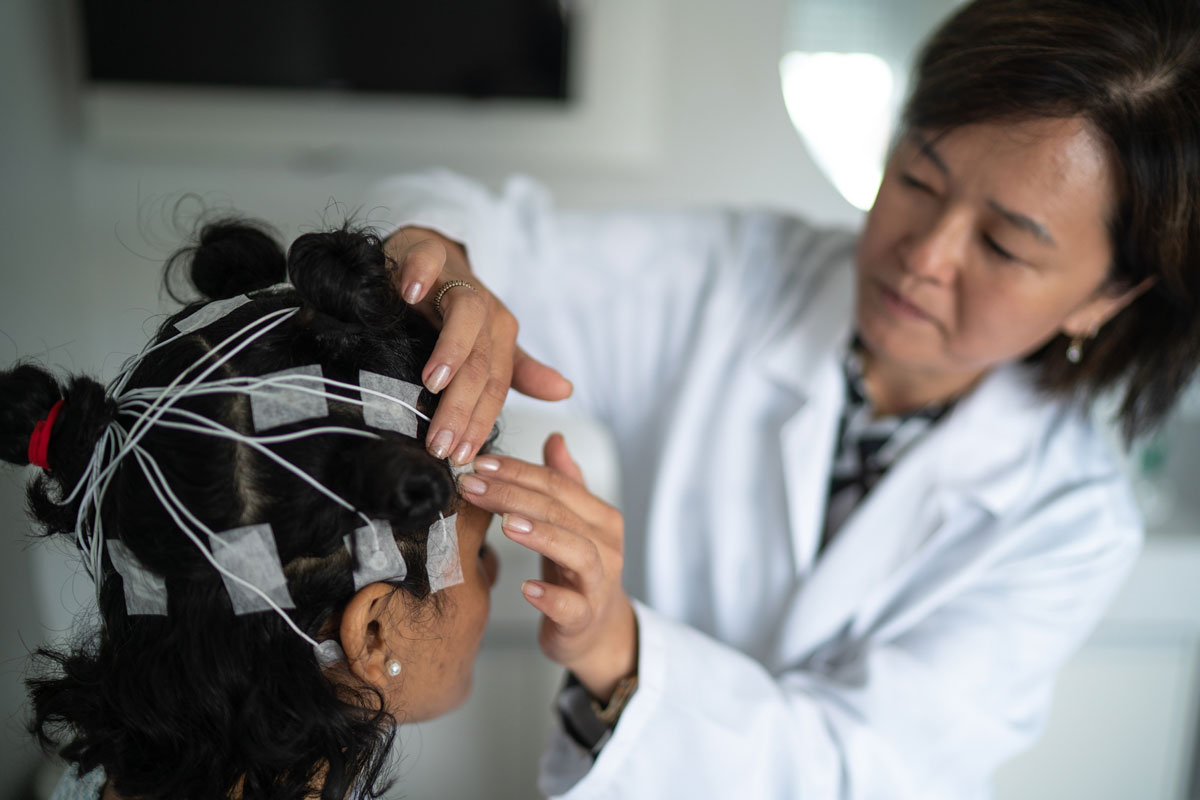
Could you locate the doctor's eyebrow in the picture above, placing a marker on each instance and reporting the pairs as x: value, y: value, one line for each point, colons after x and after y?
x: 1014, y: 218
x: 926, y: 149
x: 1024, y: 223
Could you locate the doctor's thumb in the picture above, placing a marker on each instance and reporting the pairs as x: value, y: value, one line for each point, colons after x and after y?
x: 556, y: 455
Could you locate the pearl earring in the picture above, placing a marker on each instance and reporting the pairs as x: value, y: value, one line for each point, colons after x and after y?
x: 1075, y: 350
x: 393, y: 667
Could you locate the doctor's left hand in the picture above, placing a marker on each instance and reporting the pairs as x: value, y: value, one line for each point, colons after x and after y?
x: 588, y: 623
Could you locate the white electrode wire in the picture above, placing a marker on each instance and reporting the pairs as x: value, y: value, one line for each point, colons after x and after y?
x: 97, y: 478
x: 225, y: 432
x: 248, y: 384
x: 168, y: 399
x: 171, y: 502
x: 130, y: 366
x: 170, y: 396
x: 112, y: 437
x: 220, y: 430
x: 156, y: 403
x: 162, y: 489
x: 122, y: 378
x: 95, y: 546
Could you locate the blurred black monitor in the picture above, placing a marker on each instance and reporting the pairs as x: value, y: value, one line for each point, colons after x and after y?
x: 465, y: 48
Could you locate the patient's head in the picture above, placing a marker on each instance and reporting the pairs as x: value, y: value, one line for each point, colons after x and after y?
x: 245, y: 519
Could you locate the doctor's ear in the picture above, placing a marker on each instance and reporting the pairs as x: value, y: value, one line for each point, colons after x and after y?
x: 368, y: 633
x: 1108, y: 301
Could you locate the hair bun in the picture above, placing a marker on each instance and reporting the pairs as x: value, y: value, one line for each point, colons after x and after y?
x: 397, y: 479
x: 233, y: 257
x: 27, y: 393
x: 344, y: 273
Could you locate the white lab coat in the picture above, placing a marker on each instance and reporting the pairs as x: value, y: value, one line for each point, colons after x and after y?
x: 920, y: 650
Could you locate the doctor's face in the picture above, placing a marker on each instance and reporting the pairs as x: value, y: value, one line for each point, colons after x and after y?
x: 983, y: 244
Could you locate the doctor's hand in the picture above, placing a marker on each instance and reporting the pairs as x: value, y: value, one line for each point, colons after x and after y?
x: 476, y: 357
x: 588, y: 624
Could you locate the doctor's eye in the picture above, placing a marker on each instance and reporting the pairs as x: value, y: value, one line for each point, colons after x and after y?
x: 997, y: 249
x: 911, y: 182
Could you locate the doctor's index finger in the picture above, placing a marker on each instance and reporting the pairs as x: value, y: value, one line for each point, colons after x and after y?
x: 420, y: 264
x: 418, y: 256
x: 551, y: 482
x: 574, y: 555
x: 495, y: 494
x: 464, y: 314
x: 567, y: 609
x: 453, y: 432
x: 489, y: 400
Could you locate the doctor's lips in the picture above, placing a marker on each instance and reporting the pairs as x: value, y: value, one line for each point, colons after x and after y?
x: 900, y: 306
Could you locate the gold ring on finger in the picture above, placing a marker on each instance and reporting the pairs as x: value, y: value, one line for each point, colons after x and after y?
x: 447, y: 286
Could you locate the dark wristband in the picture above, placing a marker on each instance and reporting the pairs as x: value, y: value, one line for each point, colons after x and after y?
x: 583, y: 719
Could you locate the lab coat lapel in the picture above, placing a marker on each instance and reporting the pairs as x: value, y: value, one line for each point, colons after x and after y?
x: 807, y: 439
x: 906, y: 510
x: 879, y: 535
x: 804, y: 357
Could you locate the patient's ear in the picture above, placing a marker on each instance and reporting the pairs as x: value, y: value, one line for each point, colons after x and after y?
x: 366, y: 632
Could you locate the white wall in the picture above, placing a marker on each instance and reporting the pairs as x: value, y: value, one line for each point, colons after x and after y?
x: 38, y: 298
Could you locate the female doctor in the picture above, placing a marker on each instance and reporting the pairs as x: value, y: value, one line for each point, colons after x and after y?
x: 868, y: 516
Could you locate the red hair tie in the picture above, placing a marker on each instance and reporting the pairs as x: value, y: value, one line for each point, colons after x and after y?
x: 39, y: 440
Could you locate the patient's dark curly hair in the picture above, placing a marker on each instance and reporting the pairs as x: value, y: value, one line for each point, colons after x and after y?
x: 201, y: 702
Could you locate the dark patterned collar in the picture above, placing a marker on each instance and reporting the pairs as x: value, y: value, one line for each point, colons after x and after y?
x: 867, y: 445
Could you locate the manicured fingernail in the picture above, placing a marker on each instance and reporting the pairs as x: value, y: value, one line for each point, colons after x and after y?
x: 487, y: 464
x: 512, y: 522
x: 530, y: 589
x: 412, y: 292
x: 462, y: 454
x: 470, y: 483
x: 438, y: 379
x: 440, y: 445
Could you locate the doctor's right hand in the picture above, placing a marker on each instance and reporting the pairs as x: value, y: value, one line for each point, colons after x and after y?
x: 588, y: 623
x: 476, y: 357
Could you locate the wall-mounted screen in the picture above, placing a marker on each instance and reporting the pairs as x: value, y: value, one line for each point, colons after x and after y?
x: 464, y: 48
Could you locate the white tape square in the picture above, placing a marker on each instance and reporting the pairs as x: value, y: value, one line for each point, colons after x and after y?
x: 250, y: 553
x: 274, y: 406
x: 145, y: 592
x: 379, y: 558
x: 442, y: 562
x: 328, y: 653
x: 210, y: 313
x: 388, y: 415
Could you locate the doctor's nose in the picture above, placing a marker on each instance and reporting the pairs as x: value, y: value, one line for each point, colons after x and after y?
x: 938, y: 252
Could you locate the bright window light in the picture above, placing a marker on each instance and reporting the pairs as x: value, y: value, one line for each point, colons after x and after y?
x: 841, y: 105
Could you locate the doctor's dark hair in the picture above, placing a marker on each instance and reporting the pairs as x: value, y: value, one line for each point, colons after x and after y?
x: 1131, y: 70
x: 202, y: 702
